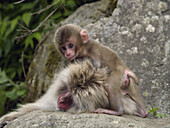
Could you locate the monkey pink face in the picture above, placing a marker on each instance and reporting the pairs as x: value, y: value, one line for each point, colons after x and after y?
x: 65, y: 100
x: 69, y: 49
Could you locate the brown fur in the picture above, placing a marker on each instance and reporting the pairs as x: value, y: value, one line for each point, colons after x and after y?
x: 67, y: 33
x: 102, y: 56
x: 88, y: 87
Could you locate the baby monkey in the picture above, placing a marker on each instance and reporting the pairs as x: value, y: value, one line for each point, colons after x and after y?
x: 73, y: 42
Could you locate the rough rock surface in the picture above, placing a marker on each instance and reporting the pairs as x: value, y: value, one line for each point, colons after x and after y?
x: 139, y: 31
x: 39, y: 119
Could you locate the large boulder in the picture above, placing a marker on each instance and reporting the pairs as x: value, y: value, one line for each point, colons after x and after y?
x: 39, y: 119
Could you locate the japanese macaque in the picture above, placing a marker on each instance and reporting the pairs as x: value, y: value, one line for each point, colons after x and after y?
x: 80, y: 87
x: 73, y: 42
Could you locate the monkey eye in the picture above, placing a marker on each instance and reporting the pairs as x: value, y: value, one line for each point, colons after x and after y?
x: 63, y: 48
x: 71, y: 45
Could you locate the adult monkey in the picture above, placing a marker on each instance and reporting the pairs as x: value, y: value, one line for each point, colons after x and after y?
x: 78, y: 88
x: 74, y: 43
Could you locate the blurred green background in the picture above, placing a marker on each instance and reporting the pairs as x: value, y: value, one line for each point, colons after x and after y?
x: 13, y: 16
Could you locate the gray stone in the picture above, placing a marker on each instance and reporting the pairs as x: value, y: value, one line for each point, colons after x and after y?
x: 39, y: 119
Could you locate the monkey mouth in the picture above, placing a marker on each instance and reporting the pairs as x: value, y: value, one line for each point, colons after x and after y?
x: 72, y: 58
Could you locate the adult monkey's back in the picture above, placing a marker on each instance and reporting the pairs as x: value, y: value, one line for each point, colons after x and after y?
x: 73, y: 42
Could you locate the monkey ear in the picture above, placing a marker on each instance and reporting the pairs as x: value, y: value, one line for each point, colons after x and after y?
x: 84, y: 36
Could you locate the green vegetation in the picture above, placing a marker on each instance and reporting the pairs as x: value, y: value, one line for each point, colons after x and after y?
x: 21, y: 31
x: 153, y: 112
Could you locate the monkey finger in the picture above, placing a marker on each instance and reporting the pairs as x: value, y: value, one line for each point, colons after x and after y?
x: 124, y: 92
x: 106, y: 111
x: 142, y: 113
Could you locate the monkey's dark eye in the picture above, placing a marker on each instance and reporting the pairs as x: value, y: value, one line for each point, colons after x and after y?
x: 63, y: 48
x: 71, y: 45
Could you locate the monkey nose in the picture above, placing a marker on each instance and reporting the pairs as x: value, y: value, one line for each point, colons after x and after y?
x: 67, y: 55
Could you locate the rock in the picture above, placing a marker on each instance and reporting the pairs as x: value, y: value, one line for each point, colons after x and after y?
x: 39, y: 119
x: 90, y: 13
